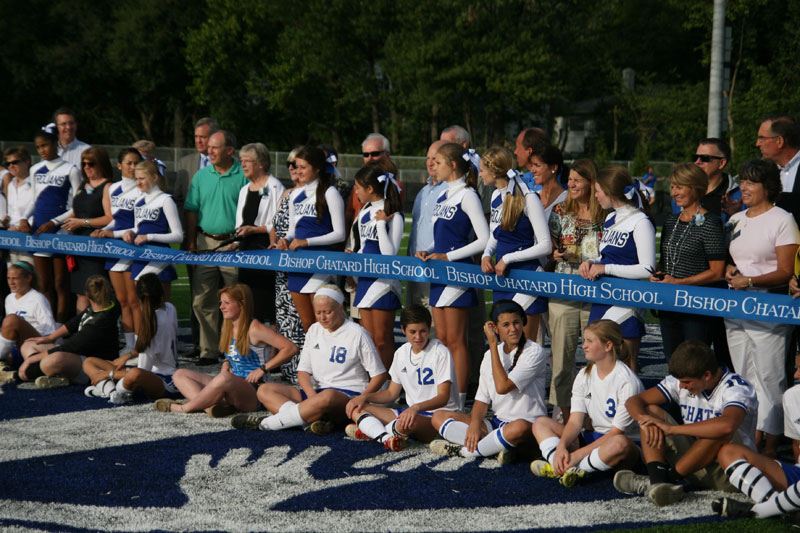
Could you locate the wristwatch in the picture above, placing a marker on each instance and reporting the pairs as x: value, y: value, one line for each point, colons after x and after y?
x: 749, y: 282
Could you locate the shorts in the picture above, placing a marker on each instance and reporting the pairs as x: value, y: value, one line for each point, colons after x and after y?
x: 421, y: 413
x: 349, y: 393
x: 792, y: 472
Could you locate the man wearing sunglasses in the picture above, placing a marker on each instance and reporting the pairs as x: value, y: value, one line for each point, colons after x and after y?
x: 723, y: 197
x: 375, y: 148
x: 779, y: 140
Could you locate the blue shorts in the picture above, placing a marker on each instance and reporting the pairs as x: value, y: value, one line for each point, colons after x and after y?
x: 590, y: 436
x: 792, y: 473
x: 421, y: 413
x: 349, y: 393
x: 494, y: 423
x: 169, y: 385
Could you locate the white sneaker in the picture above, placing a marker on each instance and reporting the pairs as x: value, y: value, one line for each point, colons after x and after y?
x: 120, y: 397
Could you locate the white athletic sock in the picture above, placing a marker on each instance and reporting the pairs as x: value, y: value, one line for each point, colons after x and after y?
x: 593, y: 463
x: 784, y: 502
x: 454, y: 431
x: 370, y: 426
x: 750, y: 481
x: 491, y: 444
x: 6, y: 346
x: 288, y: 416
x: 548, y: 448
x: 391, y: 429
x: 130, y: 341
x: 121, y: 386
x: 462, y: 401
x: 105, y: 387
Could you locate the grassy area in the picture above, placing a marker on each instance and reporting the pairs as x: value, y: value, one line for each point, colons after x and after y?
x: 745, y: 525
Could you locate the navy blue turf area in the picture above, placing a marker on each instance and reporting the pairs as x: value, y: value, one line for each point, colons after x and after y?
x: 72, y: 463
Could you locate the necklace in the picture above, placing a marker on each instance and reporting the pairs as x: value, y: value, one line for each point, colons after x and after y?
x: 673, y: 248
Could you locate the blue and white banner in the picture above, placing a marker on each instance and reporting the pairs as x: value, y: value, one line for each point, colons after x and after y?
x: 630, y: 293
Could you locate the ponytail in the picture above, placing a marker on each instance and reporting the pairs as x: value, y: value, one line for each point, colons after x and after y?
x: 151, y: 296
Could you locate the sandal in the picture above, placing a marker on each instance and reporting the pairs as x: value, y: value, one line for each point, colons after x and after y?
x: 165, y: 404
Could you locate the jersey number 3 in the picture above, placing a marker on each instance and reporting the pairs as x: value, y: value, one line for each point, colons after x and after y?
x: 425, y: 376
x: 338, y: 354
x: 612, y: 408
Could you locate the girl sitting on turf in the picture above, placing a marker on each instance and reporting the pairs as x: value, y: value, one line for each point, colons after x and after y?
x: 516, y: 395
x: 423, y: 368
x: 339, y: 356
x: 28, y: 314
x: 94, y: 333
x: 600, y: 390
x: 155, y: 345
x: 247, y: 344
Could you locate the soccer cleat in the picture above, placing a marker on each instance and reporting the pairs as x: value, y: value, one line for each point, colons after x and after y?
x: 395, y: 443
x: 663, y: 494
x: 628, y: 482
x: 120, y: 397
x: 321, y: 427
x: 6, y: 376
x: 571, y: 477
x: 731, y: 507
x: 506, y: 456
x: 51, y: 382
x: 353, y: 432
x: 245, y: 421
x: 542, y: 468
x: 445, y: 447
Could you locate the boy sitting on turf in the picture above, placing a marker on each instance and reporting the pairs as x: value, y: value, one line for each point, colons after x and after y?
x: 717, y: 407
x: 423, y: 368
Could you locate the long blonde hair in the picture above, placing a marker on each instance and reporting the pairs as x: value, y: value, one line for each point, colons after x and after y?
x: 609, y: 331
x: 587, y: 169
x: 241, y: 294
x: 499, y: 161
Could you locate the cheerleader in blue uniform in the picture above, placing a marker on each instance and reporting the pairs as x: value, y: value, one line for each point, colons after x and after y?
x: 380, y: 228
x: 156, y: 221
x: 55, y: 182
x: 124, y: 195
x: 627, y: 249
x: 316, y: 222
x: 523, y: 241
x: 458, y: 216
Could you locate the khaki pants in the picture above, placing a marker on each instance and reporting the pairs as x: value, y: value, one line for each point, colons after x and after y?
x: 567, y: 319
x: 206, y: 283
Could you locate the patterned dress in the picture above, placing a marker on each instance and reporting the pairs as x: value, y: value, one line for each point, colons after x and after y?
x: 286, y: 317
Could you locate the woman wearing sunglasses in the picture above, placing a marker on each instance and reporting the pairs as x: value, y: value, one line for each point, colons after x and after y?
x: 91, y: 209
x: 19, y: 192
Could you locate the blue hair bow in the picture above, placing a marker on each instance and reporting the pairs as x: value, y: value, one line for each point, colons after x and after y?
x: 50, y: 128
x: 330, y: 167
x: 632, y: 192
x: 472, y: 157
x: 386, y: 179
x: 513, y: 176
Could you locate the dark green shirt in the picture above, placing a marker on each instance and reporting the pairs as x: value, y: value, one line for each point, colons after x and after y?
x: 214, y: 196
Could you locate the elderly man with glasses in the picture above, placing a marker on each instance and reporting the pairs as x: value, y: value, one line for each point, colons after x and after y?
x: 779, y: 140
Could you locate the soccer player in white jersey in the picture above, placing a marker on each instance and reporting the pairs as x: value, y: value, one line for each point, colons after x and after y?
x: 424, y: 369
x: 600, y: 391
x: 512, y: 381
x: 772, y: 484
x: 717, y: 407
x: 338, y: 362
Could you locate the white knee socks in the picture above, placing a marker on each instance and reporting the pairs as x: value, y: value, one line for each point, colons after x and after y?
x: 288, y: 416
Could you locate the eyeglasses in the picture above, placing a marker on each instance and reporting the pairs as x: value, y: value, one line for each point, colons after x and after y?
x: 89, y: 164
x: 14, y: 162
x: 705, y: 158
x: 376, y: 153
x: 291, y: 164
x: 762, y: 138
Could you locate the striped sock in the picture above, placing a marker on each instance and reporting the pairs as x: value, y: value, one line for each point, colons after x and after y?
x: 391, y: 429
x: 370, y: 426
x: 548, y: 448
x: 784, y: 502
x: 593, y: 463
x: 749, y: 480
x: 454, y: 431
x: 491, y: 444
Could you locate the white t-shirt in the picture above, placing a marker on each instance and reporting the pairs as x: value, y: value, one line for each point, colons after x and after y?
x: 161, y: 357
x: 753, y: 240
x: 791, y: 413
x: 34, y: 308
x: 527, y: 401
x: 420, y: 374
x: 604, y: 399
x: 731, y: 391
x: 343, y: 359
x: 20, y: 201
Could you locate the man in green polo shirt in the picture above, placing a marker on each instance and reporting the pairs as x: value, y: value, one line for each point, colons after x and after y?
x: 210, y: 209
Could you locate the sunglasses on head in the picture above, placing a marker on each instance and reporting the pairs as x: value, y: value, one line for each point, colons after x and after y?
x: 14, y: 162
x: 89, y: 164
x: 706, y: 158
x: 291, y: 164
x: 376, y: 153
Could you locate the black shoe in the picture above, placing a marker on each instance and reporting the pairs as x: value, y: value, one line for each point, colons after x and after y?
x: 206, y: 361
x: 731, y: 507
